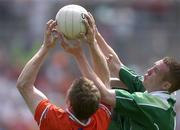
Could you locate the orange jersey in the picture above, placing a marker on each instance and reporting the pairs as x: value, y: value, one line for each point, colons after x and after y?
x: 50, y: 117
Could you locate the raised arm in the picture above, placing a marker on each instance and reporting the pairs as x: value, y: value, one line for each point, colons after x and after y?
x: 100, y: 65
x: 115, y: 63
x: 100, y: 52
x: 107, y: 50
x: 25, y: 82
x: 107, y: 95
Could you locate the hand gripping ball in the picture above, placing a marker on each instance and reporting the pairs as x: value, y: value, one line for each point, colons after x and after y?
x: 69, y: 21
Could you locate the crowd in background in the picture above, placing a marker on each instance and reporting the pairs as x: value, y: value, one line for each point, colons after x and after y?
x: 140, y: 31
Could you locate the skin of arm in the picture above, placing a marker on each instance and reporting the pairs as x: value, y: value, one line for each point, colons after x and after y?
x: 115, y: 63
x: 107, y: 95
x: 25, y: 82
x: 100, y: 52
x: 100, y: 65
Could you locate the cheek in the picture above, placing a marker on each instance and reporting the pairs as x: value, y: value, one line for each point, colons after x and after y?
x: 152, y: 79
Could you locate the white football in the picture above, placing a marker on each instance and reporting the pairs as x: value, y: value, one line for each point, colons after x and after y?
x: 69, y: 21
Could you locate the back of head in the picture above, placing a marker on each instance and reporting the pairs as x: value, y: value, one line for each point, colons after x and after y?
x: 84, y: 98
x: 173, y: 76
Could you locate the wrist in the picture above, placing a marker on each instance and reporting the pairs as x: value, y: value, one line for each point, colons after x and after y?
x: 45, y: 48
x: 78, y: 54
x: 93, y: 43
x: 97, y: 33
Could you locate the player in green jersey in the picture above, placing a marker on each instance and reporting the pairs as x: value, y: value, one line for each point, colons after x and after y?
x: 152, y: 109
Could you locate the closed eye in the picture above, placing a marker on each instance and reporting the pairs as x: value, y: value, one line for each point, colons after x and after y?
x: 156, y: 70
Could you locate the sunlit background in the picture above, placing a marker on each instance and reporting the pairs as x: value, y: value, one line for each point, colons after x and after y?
x: 140, y: 31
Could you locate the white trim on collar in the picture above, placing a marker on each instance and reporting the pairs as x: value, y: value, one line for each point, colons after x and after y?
x: 77, y: 120
x: 162, y: 94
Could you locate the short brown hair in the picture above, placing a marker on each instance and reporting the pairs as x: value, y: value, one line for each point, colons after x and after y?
x: 173, y: 76
x: 84, y: 98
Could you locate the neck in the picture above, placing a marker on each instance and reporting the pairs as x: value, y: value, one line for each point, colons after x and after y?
x: 150, y: 88
x: 155, y: 89
x: 84, y: 120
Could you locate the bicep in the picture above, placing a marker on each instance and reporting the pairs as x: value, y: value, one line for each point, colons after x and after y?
x: 32, y: 97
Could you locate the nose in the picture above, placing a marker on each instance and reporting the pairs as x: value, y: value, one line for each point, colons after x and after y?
x: 149, y: 71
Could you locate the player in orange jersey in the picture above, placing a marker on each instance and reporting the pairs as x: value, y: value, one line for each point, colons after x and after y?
x: 84, y: 111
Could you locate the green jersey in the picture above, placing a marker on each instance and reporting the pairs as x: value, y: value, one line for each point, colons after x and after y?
x: 139, y: 110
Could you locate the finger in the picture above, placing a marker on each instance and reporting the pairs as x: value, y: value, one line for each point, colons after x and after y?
x: 54, y: 40
x: 52, y: 25
x: 109, y: 58
x: 89, y: 20
x: 48, y: 23
x: 64, y: 45
x: 63, y: 40
x: 47, y: 27
x: 91, y: 17
x: 55, y: 33
x: 86, y: 24
x: 81, y: 36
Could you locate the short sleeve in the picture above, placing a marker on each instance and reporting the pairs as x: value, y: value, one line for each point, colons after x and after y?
x: 131, y: 80
x: 46, y: 115
x: 41, y: 108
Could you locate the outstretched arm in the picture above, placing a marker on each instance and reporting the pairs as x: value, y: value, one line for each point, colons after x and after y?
x: 115, y: 63
x: 107, y: 95
x: 100, y: 65
x: 101, y: 50
x: 25, y: 82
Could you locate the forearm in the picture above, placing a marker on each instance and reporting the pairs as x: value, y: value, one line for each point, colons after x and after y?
x: 99, y: 63
x: 31, y: 69
x: 115, y: 63
x: 106, y: 49
x: 107, y: 96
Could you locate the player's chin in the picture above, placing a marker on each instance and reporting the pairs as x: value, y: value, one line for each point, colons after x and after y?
x: 145, y: 81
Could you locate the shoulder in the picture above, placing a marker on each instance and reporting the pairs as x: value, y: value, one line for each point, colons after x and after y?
x: 105, y: 108
x: 102, y: 117
x: 46, y: 110
x: 103, y: 111
x: 148, y: 100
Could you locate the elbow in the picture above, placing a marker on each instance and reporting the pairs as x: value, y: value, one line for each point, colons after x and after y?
x: 104, y: 96
x: 108, y: 99
x: 21, y: 84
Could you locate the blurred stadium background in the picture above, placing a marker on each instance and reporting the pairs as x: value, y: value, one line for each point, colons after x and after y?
x: 140, y: 31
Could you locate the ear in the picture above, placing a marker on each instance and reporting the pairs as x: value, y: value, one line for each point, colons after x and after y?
x: 166, y: 85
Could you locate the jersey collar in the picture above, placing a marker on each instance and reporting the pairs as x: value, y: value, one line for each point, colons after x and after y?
x: 165, y: 95
x: 162, y: 94
x: 77, y: 120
